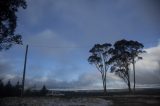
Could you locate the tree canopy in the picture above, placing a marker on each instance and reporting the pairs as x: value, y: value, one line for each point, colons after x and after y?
x: 118, y: 58
x: 100, y: 57
x: 121, y: 60
x: 8, y: 22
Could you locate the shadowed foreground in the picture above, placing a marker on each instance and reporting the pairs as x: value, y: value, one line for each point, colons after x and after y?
x: 50, y: 101
x: 82, y: 101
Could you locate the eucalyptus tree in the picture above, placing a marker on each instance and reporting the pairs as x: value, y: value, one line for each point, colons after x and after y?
x: 135, y: 48
x: 8, y: 22
x: 100, y: 58
x: 121, y: 60
x: 124, y: 54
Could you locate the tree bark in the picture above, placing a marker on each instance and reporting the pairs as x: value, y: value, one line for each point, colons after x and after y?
x: 105, y: 88
x: 129, y: 84
x: 129, y: 87
x: 104, y: 84
x: 134, y: 75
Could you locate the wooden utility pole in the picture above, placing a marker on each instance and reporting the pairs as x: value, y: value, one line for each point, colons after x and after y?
x: 24, y: 71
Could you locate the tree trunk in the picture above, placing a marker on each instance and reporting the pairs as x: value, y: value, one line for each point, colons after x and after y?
x: 105, y: 88
x: 103, y: 82
x: 129, y: 84
x: 129, y: 87
x: 105, y: 91
x: 134, y: 75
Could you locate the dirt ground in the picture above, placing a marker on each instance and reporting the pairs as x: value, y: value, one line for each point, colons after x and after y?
x: 50, y: 101
x: 82, y: 101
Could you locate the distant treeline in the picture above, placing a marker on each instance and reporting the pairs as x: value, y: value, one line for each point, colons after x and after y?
x: 9, y: 90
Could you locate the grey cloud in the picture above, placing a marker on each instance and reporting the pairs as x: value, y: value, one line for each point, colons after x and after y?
x: 4, y: 67
x: 62, y: 76
x: 5, y: 64
x: 148, y: 69
x: 85, y: 81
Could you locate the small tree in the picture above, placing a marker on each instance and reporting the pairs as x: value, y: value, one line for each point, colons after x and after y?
x: 8, y: 22
x: 8, y: 89
x: 17, y: 89
x: 1, y: 88
x: 100, y: 57
x: 43, y: 91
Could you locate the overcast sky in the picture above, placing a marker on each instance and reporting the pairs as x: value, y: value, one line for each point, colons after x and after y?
x: 60, y: 34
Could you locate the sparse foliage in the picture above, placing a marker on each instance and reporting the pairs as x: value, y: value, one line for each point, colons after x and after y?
x: 135, y: 49
x: 100, y: 57
x: 8, y: 22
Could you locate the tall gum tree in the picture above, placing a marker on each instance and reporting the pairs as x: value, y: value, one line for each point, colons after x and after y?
x: 121, y: 61
x: 99, y: 57
x: 135, y: 48
x: 124, y: 54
